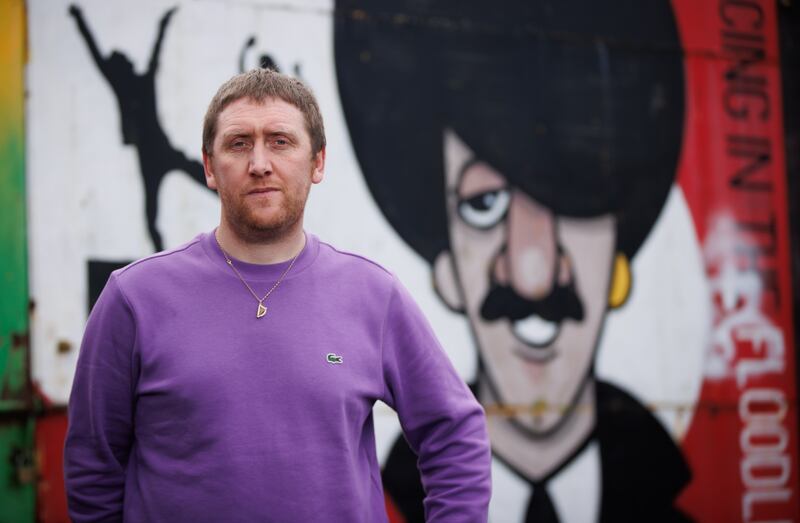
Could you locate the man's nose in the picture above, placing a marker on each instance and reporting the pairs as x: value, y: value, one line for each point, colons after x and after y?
x: 529, y: 260
x: 260, y: 160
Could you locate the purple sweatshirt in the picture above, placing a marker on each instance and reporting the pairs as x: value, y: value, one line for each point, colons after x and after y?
x: 186, y: 407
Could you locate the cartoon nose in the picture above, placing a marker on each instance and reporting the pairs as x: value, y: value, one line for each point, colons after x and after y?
x: 260, y: 161
x: 530, y: 257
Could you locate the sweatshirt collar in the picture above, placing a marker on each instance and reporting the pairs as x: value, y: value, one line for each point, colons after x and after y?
x: 255, y: 271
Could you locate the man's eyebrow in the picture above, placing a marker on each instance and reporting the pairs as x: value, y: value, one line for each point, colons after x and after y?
x: 235, y: 133
x: 283, y: 132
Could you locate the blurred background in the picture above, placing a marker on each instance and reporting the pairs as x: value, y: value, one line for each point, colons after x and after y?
x: 671, y: 127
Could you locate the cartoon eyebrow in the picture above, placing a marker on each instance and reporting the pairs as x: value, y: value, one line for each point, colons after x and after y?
x: 453, y: 191
x: 456, y: 189
x: 469, y: 163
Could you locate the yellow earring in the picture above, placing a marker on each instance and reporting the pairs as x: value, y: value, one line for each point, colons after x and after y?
x: 620, y: 282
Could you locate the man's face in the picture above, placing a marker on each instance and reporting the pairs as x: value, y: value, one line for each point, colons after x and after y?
x: 534, y: 286
x: 262, y: 167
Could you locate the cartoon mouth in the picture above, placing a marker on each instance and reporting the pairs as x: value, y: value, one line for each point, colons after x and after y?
x: 535, y: 331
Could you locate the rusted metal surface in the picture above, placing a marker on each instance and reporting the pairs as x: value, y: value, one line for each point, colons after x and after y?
x: 17, y: 469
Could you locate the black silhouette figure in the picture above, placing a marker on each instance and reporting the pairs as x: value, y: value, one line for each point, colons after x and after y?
x: 136, y: 96
x: 265, y: 61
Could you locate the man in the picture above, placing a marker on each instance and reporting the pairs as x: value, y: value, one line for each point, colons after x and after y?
x: 525, y: 149
x: 233, y: 378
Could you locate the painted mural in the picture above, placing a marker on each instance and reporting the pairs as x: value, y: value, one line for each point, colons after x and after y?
x: 532, y: 154
x: 140, y: 127
x: 586, y: 198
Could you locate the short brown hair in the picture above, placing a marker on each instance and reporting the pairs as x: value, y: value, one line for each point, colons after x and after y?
x: 259, y: 84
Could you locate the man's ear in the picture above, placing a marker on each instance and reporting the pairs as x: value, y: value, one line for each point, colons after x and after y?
x: 211, y: 181
x: 319, y: 167
x: 445, y: 282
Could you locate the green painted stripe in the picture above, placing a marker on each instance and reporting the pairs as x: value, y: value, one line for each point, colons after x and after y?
x: 13, y: 264
x: 17, y: 476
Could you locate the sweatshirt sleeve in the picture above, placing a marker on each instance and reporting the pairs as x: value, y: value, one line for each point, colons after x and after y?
x: 100, y: 428
x: 441, y: 420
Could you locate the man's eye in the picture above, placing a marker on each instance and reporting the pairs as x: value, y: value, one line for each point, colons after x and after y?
x: 486, y: 209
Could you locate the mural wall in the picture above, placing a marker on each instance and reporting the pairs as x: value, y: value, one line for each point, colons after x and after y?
x: 587, y: 199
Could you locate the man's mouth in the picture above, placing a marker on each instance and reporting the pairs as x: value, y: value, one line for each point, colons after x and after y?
x: 535, y: 331
x: 262, y: 190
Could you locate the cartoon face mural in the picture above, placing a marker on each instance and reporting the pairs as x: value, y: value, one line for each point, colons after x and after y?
x: 539, y: 309
x: 525, y: 153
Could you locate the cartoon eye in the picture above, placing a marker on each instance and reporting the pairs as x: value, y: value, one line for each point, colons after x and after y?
x: 486, y: 209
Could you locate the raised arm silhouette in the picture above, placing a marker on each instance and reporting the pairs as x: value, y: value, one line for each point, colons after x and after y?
x: 136, y: 97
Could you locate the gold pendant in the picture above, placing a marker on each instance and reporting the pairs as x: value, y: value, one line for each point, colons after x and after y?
x: 261, y: 311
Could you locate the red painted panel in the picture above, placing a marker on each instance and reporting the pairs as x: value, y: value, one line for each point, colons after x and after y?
x: 51, y: 500
x: 743, y: 440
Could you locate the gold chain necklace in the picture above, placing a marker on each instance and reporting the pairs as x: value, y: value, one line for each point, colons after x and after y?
x: 262, y: 310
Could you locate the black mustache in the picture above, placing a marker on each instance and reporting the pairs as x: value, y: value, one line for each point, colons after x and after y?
x: 503, y: 302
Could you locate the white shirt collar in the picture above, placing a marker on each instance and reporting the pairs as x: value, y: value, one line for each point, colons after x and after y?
x: 575, y: 490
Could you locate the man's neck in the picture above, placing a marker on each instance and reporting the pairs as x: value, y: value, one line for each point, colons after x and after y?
x: 277, y: 250
x: 537, y: 458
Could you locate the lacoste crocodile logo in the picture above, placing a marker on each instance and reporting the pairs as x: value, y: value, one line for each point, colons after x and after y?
x: 333, y: 358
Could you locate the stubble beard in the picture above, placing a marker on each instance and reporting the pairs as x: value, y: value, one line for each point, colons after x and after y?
x: 246, y: 222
